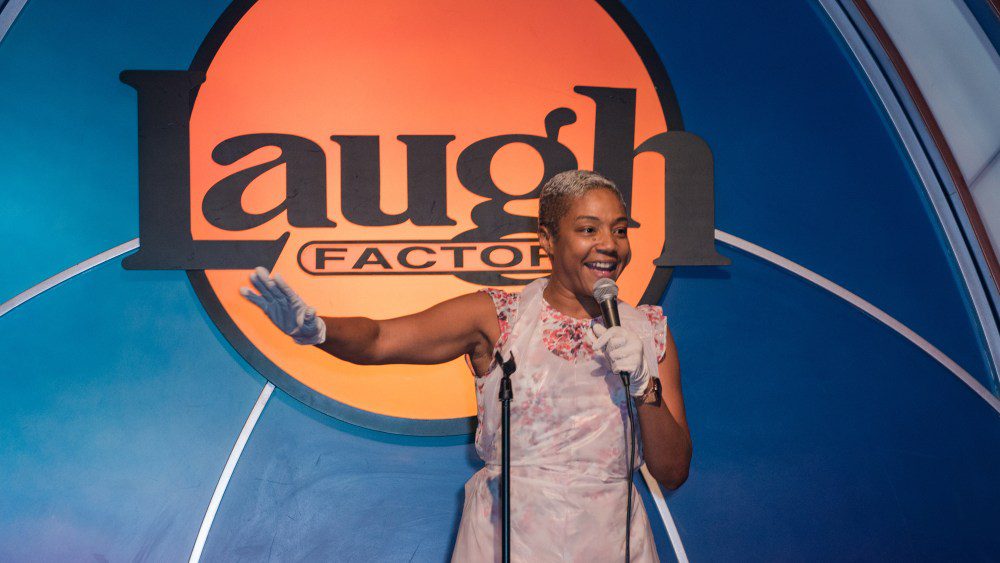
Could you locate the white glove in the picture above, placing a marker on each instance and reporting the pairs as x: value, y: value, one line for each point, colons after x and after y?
x: 624, y: 351
x: 285, y: 308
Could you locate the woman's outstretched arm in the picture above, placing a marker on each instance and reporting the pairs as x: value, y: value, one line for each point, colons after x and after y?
x: 463, y: 325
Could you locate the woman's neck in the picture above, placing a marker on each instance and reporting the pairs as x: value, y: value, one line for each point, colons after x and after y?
x: 560, y: 298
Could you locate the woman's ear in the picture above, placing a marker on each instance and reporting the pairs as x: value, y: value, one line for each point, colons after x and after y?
x: 545, y: 239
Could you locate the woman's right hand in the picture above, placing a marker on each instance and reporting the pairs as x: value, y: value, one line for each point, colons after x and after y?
x: 285, y: 308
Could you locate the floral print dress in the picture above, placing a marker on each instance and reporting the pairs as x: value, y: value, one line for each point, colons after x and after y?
x: 568, y: 440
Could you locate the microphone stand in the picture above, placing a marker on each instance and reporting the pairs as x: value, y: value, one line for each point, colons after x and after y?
x: 506, y: 394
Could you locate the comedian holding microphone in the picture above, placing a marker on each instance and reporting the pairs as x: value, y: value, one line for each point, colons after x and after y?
x: 571, y: 467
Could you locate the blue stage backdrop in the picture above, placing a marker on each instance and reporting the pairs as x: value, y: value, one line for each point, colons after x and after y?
x: 138, y: 425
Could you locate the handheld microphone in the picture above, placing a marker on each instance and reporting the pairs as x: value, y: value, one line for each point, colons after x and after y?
x: 606, y: 294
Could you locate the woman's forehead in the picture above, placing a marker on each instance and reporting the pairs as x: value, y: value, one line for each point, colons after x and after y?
x: 597, y: 203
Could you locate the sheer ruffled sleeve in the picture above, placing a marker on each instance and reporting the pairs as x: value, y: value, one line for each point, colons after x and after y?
x: 654, y: 314
x: 506, y: 306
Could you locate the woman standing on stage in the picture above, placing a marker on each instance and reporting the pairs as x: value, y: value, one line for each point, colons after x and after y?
x: 569, y: 446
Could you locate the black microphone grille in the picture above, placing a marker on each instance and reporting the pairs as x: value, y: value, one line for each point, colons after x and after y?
x: 605, y: 289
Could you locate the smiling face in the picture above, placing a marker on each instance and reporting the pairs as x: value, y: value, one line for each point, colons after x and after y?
x: 591, y: 243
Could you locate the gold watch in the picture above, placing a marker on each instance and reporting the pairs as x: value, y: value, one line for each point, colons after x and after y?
x: 652, y: 394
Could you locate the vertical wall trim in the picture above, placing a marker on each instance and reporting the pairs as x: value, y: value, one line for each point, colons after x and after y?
x: 936, y: 135
x: 906, y: 121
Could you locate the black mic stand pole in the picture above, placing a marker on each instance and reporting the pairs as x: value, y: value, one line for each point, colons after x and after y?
x: 506, y: 394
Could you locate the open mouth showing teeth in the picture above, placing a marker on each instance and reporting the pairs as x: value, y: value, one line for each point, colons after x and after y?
x: 602, y: 266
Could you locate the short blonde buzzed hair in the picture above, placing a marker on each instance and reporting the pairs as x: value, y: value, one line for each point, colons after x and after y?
x: 562, y: 189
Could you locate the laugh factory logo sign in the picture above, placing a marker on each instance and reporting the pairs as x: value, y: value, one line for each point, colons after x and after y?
x: 384, y: 156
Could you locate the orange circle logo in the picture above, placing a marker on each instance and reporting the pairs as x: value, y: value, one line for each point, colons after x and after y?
x: 391, y: 155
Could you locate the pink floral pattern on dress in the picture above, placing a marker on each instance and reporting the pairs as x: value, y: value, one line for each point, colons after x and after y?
x: 566, y: 336
x: 654, y: 313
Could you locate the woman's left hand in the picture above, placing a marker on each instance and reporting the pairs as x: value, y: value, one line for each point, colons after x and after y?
x: 623, y: 349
